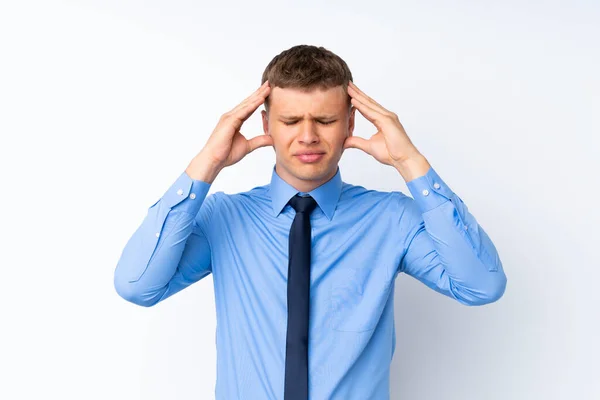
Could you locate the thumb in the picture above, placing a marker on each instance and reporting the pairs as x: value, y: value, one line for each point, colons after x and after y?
x: 259, y: 141
x: 356, y: 142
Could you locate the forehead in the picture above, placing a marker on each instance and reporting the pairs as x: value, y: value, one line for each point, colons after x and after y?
x: 298, y: 102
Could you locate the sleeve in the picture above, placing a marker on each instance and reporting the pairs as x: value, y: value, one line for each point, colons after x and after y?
x: 443, y: 245
x: 170, y: 249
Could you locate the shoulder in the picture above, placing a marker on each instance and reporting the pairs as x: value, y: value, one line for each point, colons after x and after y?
x: 359, y: 193
x: 254, y: 195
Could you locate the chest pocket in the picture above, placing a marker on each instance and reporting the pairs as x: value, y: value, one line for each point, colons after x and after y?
x: 357, y: 299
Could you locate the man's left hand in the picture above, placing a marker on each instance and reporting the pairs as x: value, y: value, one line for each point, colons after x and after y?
x: 390, y: 145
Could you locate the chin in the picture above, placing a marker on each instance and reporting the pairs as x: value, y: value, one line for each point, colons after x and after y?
x: 308, y: 176
x: 310, y: 172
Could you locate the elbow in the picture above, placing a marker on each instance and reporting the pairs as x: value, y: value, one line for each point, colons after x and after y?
x: 493, y: 291
x: 487, y: 293
x: 497, y: 287
x: 127, y: 291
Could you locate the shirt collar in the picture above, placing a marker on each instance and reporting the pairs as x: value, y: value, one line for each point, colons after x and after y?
x: 326, y: 195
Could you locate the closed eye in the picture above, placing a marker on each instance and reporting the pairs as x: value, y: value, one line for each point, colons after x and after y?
x: 321, y: 122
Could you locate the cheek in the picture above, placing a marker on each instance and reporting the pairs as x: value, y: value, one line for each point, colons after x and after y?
x: 282, y: 141
x: 340, y: 137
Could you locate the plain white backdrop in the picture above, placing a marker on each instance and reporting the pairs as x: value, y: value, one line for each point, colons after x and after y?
x: 104, y: 103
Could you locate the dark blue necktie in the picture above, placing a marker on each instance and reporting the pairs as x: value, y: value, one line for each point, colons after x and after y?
x: 298, y: 299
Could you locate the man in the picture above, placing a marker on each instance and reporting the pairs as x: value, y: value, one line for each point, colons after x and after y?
x: 304, y: 267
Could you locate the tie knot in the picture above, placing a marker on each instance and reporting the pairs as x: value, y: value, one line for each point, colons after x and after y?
x: 303, y: 204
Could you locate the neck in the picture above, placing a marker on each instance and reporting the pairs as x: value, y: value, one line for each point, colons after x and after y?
x: 303, y: 185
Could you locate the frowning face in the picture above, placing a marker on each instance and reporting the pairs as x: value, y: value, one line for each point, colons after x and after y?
x: 308, y: 131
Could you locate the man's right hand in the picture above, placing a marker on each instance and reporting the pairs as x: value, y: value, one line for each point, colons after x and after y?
x: 226, y: 145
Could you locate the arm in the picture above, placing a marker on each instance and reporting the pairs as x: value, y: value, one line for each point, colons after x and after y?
x: 444, y: 246
x: 169, y: 251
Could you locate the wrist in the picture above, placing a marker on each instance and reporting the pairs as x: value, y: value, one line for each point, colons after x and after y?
x: 203, y: 168
x: 412, y: 167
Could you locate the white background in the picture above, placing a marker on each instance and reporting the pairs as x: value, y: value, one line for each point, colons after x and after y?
x: 104, y: 103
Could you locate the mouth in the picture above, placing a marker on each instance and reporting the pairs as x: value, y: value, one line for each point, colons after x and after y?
x: 310, y: 157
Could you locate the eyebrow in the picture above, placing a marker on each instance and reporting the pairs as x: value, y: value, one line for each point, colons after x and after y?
x: 326, y: 116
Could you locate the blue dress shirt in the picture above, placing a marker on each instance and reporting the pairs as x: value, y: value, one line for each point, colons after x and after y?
x: 361, y: 240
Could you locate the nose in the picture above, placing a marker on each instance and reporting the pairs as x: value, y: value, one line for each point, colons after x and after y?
x: 308, y: 134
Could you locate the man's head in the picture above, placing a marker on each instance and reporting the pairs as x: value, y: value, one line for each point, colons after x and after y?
x: 307, y: 110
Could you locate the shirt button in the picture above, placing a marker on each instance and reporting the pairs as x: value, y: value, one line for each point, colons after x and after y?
x: 436, y: 185
x: 193, y: 196
x: 180, y: 192
x: 425, y: 192
x: 157, y: 234
x: 466, y: 227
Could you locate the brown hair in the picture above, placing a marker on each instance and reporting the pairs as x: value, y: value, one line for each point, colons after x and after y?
x: 307, y: 67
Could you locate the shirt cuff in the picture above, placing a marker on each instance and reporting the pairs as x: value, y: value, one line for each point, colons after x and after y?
x: 186, y: 194
x: 429, y: 190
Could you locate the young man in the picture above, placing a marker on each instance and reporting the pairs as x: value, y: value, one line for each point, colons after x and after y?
x: 304, y: 267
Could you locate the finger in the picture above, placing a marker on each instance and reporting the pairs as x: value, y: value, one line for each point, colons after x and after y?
x: 356, y: 142
x: 260, y: 88
x: 259, y: 141
x: 363, y: 96
x: 243, y: 111
x: 369, y: 113
x: 260, y: 92
x: 355, y: 92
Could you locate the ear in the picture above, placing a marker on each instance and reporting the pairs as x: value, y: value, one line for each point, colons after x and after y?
x: 351, y: 121
x: 265, y: 121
